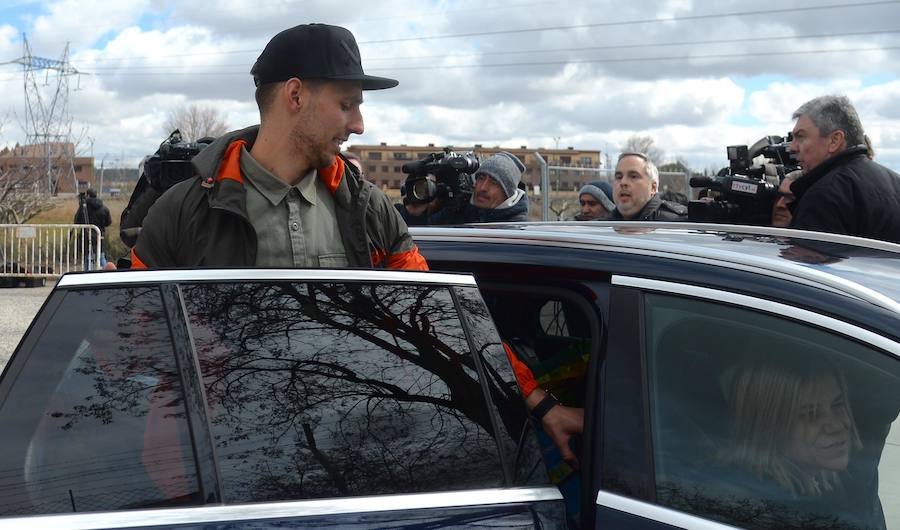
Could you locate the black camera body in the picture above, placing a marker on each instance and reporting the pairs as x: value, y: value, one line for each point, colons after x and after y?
x: 171, y: 163
x: 744, y: 192
x: 453, y: 182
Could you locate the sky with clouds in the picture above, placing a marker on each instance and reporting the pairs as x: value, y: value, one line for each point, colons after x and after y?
x: 696, y: 76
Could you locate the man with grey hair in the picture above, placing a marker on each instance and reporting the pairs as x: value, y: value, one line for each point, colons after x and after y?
x: 634, y: 191
x: 841, y: 191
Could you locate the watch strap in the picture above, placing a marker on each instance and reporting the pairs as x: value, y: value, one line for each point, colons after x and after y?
x: 544, y: 406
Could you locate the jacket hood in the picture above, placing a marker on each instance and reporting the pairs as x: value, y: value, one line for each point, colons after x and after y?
x: 207, y: 161
x: 514, y: 208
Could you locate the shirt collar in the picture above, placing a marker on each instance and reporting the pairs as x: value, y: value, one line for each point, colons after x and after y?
x: 271, y: 187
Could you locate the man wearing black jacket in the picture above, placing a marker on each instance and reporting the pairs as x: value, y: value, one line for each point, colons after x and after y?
x: 841, y: 191
x: 92, y: 211
x: 635, y: 187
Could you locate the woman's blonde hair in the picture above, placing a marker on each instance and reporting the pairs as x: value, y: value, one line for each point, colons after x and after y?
x: 764, y: 401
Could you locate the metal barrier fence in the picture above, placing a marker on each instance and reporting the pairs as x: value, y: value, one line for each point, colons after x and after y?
x: 48, y: 251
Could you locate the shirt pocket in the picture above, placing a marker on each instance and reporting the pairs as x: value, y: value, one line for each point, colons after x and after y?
x: 333, y: 261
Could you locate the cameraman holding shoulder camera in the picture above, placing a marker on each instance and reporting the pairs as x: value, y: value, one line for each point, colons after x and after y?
x: 841, y: 191
x: 495, y: 197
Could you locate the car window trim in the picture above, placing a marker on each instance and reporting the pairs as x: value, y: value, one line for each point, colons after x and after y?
x: 761, y: 304
x: 657, y: 513
x: 283, y: 510
x: 225, y: 275
x: 506, y: 467
x: 194, y: 394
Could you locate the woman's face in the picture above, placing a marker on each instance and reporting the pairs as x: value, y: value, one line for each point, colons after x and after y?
x: 819, y: 438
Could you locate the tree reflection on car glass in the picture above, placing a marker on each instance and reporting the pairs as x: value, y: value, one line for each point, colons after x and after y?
x: 322, y: 390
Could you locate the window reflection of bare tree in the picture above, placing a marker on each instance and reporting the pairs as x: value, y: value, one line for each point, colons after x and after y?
x: 357, y: 389
x: 119, y: 396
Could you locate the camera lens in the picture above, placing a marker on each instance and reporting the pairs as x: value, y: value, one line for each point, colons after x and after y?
x: 423, y: 190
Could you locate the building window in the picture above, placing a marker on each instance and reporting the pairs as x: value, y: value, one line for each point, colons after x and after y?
x: 384, y: 169
x: 587, y: 162
x: 373, y: 169
x: 565, y: 160
x: 396, y: 169
x: 374, y: 155
x: 401, y: 156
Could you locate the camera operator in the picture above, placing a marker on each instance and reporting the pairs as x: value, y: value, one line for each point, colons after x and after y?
x: 841, y: 190
x: 635, y: 186
x: 495, y: 197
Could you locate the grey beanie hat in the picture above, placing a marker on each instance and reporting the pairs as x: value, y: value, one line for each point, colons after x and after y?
x: 601, y: 191
x: 506, y: 169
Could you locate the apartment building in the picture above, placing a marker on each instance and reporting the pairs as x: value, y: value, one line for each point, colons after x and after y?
x: 382, y: 162
x: 41, y: 166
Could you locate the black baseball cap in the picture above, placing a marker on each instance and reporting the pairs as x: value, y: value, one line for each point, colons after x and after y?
x: 314, y: 51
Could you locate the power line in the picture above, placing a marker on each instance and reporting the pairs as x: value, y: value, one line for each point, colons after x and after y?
x: 555, y: 50
x: 546, y: 63
x: 544, y: 28
x: 635, y: 22
x: 646, y: 59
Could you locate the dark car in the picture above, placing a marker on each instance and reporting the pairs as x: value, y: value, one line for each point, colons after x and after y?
x: 737, y: 375
x: 267, y: 399
x: 730, y: 376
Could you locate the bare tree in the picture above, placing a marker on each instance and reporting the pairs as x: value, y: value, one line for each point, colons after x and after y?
x: 196, y: 121
x: 644, y: 144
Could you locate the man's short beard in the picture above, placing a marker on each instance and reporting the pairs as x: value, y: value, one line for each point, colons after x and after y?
x: 304, y: 145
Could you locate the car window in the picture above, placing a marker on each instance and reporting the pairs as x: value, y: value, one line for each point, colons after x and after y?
x: 328, y: 390
x: 95, y: 419
x: 762, y: 422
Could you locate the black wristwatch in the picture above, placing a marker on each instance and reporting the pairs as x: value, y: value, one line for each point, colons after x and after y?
x: 544, y: 406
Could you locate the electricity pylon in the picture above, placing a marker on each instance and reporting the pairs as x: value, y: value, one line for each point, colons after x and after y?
x: 47, y: 120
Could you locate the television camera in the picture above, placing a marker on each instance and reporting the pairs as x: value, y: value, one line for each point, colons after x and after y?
x: 452, y: 182
x: 169, y: 165
x: 745, y: 191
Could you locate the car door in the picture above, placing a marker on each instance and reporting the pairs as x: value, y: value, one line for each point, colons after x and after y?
x: 719, y: 409
x: 268, y: 399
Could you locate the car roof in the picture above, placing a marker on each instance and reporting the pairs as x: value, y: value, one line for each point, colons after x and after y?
x: 859, y: 267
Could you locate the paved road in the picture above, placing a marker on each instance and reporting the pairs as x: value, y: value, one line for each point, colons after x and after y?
x: 17, y: 308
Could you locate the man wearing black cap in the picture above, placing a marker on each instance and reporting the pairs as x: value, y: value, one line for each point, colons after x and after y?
x: 280, y: 194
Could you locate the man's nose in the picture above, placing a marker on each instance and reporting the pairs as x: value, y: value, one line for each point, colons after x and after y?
x: 356, y: 125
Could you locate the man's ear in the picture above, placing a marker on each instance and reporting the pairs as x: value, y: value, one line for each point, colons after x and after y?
x: 837, y: 142
x: 293, y: 93
x: 654, y: 187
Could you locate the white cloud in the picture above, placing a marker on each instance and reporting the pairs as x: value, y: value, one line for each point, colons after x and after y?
x: 516, y: 88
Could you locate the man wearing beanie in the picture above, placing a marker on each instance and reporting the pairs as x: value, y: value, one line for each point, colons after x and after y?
x: 496, y: 197
x: 280, y: 194
x: 596, y: 201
